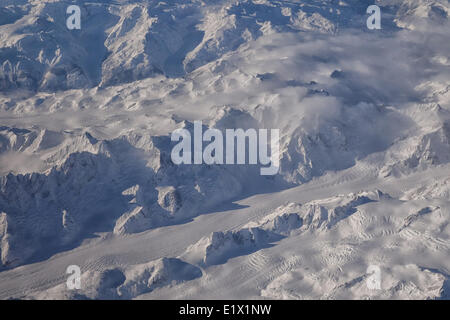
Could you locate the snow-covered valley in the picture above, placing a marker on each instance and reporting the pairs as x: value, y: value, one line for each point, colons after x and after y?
x: 86, y: 176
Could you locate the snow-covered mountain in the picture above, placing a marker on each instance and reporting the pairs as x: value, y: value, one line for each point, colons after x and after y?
x: 86, y: 176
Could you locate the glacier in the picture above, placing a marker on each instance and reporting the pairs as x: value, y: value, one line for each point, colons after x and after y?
x: 86, y: 176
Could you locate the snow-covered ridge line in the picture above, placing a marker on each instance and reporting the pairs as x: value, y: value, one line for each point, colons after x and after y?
x: 293, y: 218
x: 149, y: 190
x: 131, y: 40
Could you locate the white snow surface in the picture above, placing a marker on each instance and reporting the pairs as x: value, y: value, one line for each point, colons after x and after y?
x: 86, y: 176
